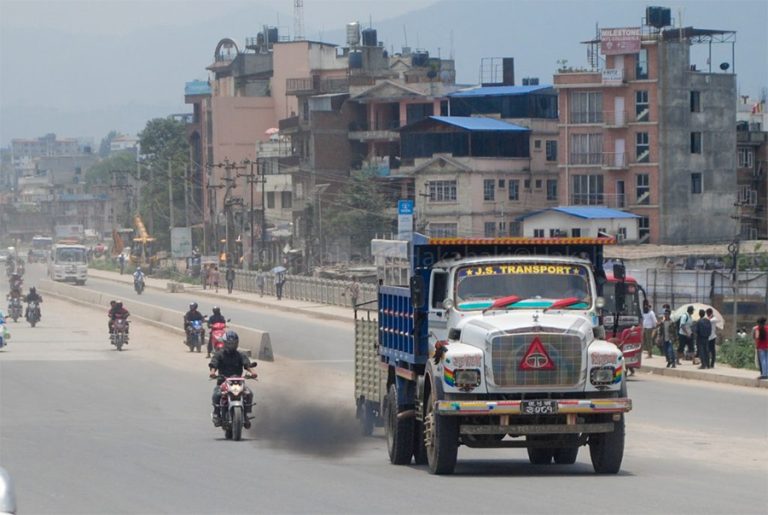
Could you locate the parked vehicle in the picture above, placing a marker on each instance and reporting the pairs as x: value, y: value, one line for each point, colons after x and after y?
x: 495, y: 343
x: 33, y: 313
x: 195, y: 335
x: 15, y: 308
x: 119, y: 336
x: 628, y: 333
x: 234, y: 408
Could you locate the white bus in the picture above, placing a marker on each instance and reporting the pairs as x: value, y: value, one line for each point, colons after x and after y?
x: 68, y: 263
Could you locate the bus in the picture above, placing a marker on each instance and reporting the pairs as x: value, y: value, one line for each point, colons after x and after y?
x: 628, y: 335
x: 40, y: 249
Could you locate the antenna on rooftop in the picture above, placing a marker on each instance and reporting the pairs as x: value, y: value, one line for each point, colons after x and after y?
x: 298, y: 20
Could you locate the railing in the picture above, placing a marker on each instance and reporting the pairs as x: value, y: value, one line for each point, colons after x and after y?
x: 615, y: 119
x: 586, y: 158
x: 612, y: 200
x: 615, y: 160
x: 586, y: 117
x: 307, y: 289
x: 316, y: 85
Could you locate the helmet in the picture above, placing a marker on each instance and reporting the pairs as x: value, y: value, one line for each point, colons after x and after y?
x: 138, y: 269
x: 32, y: 290
x: 119, y: 305
x: 192, y: 306
x: 217, y: 311
x: 112, y: 303
x: 231, y: 340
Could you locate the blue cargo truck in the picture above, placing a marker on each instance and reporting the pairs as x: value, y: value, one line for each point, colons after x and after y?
x: 493, y: 343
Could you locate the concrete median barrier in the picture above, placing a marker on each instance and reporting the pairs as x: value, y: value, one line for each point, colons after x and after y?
x: 255, y: 342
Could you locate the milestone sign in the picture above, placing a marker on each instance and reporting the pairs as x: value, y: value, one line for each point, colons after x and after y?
x: 620, y: 41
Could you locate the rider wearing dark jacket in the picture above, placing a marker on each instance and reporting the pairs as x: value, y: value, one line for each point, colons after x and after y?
x: 117, y: 311
x: 216, y: 317
x: 32, y: 296
x: 229, y: 362
x: 192, y: 314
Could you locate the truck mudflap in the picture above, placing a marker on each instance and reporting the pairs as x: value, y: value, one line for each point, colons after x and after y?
x: 534, y: 407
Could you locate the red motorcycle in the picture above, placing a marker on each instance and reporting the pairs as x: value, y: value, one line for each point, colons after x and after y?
x: 216, y: 341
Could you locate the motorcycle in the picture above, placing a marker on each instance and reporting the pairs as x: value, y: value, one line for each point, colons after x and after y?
x: 218, y: 330
x: 33, y: 313
x: 195, y: 335
x: 14, y: 308
x: 234, y: 407
x: 119, y: 336
x: 138, y: 285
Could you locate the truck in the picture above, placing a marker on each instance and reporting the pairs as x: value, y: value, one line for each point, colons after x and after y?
x: 68, y: 263
x: 40, y: 249
x: 493, y: 343
x: 623, y: 304
x: 69, y: 232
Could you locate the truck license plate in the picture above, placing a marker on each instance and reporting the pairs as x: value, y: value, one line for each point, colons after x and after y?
x: 538, y: 407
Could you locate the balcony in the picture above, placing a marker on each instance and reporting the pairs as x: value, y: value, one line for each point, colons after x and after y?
x: 614, y: 161
x: 315, y: 86
x: 612, y: 200
x: 381, y: 131
x: 586, y: 118
x: 289, y: 125
x: 615, y: 119
x: 586, y: 158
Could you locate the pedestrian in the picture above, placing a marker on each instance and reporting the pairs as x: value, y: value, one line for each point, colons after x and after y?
x: 121, y: 260
x: 230, y: 277
x: 760, y: 336
x: 685, y: 335
x: 649, y: 324
x: 260, y: 283
x: 703, y: 331
x: 204, y: 276
x: 354, y: 291
x: 213, y: 278
x: 712, y: 343
x: 279, y: 283
x: 667, y: 330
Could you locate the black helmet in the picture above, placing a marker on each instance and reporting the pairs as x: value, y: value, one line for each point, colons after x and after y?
x: 119, y: 305
x: 217, y: 311
x: 231, y: 340
x: 32, y: 289
x: 192, y: 306
x: 112, y: 303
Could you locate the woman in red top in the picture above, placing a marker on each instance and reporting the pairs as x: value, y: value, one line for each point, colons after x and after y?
x: 760, y: 335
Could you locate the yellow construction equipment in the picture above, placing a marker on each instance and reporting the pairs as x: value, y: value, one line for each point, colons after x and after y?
x: 142, y: 246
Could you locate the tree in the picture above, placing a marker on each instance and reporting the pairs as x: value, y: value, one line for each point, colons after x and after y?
x: 165, y: 152
x: 358, y: 212
x: 106, y: 143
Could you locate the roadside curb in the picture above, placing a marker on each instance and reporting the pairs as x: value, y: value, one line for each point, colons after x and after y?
x: 703, y: 376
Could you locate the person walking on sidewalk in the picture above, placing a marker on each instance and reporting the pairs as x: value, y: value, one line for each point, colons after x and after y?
x: 230, y: 277
x: 712, y: 343
x: 260, y: 283
x: 760, y: 337
x: 279, y: 283
x: 204, y: 275
x: 213, y: 278
x: 649, y: 324
x: 354, y: 291
x: 667, y: 330
x: 703, y: 330
x: 685, y: 335
x: 121, y: 260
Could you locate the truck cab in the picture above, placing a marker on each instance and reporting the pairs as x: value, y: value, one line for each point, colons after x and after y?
x: 68, y: 263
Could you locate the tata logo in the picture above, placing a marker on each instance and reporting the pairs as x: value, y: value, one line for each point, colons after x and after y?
x: 536, y: 357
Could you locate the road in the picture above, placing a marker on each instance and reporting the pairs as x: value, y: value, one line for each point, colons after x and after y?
x: 87, y: 429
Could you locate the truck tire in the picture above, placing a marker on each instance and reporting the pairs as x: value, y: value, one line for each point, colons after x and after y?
x: 419, y: 448
x: 539, y: 455
x: 607, y: 449
x: 441, y: 438
x: 399, y: 432
x: 567, y: 455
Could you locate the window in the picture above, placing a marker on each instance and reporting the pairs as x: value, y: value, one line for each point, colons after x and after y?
x: 587, y: 190
x: 620, y: 194
x: 586, y: 107
x: 271, y: 200
x: 576, y: 232
x: 586, y: 149
x: 551, y: 150
x: 489, y: 190
x: 642, y: 110
x: 642, y: 148
x: 601, y: 231
x: 643, y: 229
x: 695, y: 183
x: 695, y: 102
x: 501, y: 184
x: 437, y: 230
x: 695, y: 143
x: 538, y: 184
x: 538, y: 233
x: 442, y: 191
x: 490, y: 229
x: 551, y: 189
x: 622, y: 233
x: 502, y: 228
x: 527, y: 184
x: 514, y: 190
x: 286, y: 200
x: 745, y: 158
x: 641, y: 65
x: 554, y: 233
x: 537, y: 144
x: 643, y: 190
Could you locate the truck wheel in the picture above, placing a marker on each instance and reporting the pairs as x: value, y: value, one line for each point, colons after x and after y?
x: 607, y: 449
x: 399, y: 432
x: 567, y: 455
x: 539, y: 455
x: 419, y: 449
x: 441, y: 439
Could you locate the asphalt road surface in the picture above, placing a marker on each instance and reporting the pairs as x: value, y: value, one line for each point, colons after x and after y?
x: 87, y: 429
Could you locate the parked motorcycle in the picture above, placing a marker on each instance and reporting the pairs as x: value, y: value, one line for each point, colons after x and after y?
x: 119, y: 336
x: 15, y: 308
x: 218, y: 329
x: 138, y: 285
x: 195, y: 335
x: 33, y: 313
x: 235, y: 407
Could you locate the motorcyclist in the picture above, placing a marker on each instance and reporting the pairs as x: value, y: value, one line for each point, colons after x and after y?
x: 15, y: 282
x: 117, y: 311
x: 138, y: 275
x: 216, y: 317
x: 32, y: 296
x: 192, y: 314
x: 229, y: 362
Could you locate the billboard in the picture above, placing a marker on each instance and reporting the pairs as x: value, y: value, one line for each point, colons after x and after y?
x: 624, y: 40
x: 181, y: 242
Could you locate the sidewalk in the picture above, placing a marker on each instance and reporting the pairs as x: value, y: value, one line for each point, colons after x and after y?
x: 655, y: 365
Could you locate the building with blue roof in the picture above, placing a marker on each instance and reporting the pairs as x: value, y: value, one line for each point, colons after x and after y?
x: 539, y: 101
x: 580, y: 221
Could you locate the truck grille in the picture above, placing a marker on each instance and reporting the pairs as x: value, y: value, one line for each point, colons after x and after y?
x: 561, y: 365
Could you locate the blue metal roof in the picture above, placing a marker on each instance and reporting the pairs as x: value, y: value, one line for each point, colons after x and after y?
x: 492, y: 91
x: 197, y: 87
x: 472, y: 123
x: 587, y: 212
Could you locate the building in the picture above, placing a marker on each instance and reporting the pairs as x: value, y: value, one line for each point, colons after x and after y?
x: 752, y: 168
x: 646, y: 129
x: 580, y: 221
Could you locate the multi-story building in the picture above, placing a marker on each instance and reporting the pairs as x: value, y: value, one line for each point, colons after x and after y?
x: 646, y: 130
x: 752, y: 168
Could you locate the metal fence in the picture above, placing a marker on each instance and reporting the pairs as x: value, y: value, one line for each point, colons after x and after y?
x: 308, y: 289
x: 677, y: 287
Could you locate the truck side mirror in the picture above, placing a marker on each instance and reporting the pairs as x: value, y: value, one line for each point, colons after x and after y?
x: 417, y: 291
x: 619, y: 272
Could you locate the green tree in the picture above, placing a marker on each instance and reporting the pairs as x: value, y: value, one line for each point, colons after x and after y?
x: 358, y: 212
x: 165, y: 156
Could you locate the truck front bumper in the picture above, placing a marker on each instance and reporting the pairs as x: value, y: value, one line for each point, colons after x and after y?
x: 564, y: 407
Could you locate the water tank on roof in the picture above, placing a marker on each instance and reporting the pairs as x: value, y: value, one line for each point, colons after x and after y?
x: 420, y: 59
x: 370, y: 37
x: 353, y: 33
x: 355, y: 60
x: 272, y: 35
x: 658, y: 16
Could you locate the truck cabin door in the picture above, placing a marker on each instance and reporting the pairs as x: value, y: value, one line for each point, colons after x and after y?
x: 438, y: 316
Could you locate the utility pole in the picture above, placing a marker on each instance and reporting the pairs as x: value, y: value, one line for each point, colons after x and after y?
x: 260, y: 170
x: 170, y: 197
x: 733, y: 250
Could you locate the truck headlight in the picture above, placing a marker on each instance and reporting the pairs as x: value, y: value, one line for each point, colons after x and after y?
x: 601, y: 376
x: 467, y: 379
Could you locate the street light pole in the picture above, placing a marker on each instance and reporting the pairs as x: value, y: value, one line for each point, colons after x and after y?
x: 260, y: 170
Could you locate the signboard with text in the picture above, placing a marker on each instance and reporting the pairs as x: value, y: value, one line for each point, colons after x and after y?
x: 181, y: 242
x: 624, y: 40
x: 404, y: 219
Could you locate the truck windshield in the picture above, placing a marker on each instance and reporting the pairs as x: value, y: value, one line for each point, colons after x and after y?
x: 538, y: 284
x: 70, y: 255
x: 631, y: 299
x: 41, y: 243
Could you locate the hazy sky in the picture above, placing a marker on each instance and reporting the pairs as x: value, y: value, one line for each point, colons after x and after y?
x: 81, y: 68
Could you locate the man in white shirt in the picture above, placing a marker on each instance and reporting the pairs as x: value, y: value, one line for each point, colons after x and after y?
x: 649, y: 324
x: 712, y: 337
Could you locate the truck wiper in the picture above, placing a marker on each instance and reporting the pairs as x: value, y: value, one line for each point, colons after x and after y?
x: 564, y: 303
x: 503, y: 302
